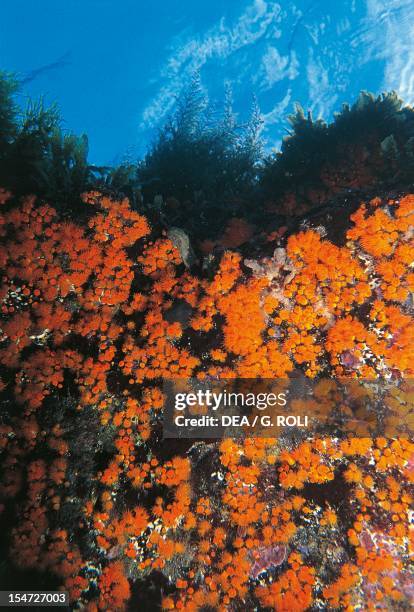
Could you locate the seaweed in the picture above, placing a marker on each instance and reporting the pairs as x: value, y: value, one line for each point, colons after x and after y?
x: 37, y: 155
x: 367, y: 143
x: 202, y: 155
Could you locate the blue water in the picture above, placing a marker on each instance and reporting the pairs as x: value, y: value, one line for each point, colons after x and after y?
x: 115, y: 67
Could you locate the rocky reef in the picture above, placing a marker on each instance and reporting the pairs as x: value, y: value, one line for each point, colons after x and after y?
x: 100, y: 308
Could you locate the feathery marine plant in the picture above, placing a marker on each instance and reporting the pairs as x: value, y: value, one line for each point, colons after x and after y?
x: 199, y: 151
x: 369, y: 142
x: 8, y: 111
x: 37, y: 155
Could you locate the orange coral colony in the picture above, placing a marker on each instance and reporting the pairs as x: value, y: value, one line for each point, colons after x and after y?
x: 97, y: 313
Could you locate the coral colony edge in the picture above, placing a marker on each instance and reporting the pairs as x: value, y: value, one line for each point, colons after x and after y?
x: 115, y: 281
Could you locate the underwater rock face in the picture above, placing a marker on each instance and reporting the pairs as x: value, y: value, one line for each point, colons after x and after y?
x: 182, y: 242
x: 265, y: 558
x: 97, y: 312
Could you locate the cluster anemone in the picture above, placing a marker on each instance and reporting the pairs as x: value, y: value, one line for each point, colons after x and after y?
x: 96, y: 313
